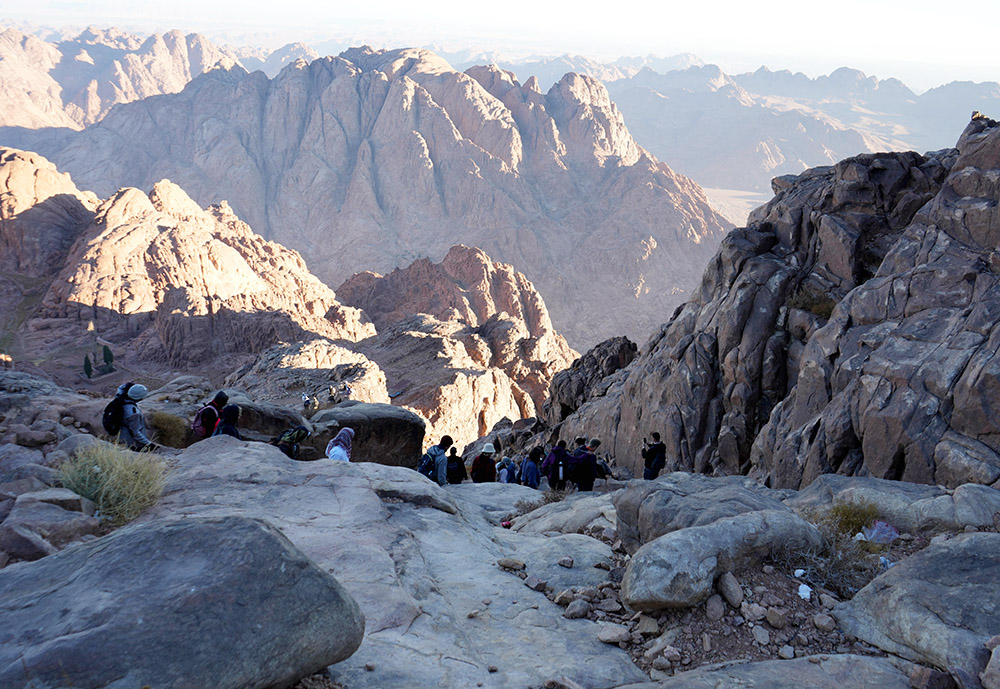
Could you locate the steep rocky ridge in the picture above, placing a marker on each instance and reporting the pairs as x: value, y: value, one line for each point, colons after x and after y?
x: 76, y: 81
x: 372, y: 159
x: 713, y: 376
x: 902, y: 383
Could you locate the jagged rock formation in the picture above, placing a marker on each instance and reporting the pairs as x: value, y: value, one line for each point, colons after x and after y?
x: 902, y: 383
x: 75, y: 82
x: 709, y: 380
x: 189, y: 286
x: 372, y: 159
x: 507, y: 324
x: 588, y: 377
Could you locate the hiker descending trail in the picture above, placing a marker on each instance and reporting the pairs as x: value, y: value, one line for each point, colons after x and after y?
x: 123, y: 421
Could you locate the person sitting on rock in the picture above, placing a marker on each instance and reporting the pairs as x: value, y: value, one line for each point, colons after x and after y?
x: 556, y: 466
x: 288, y: 442
x: 133, y: 433
x: 227, y: 422
x: 483, y: 469
x: 207, y: 417
x: 456, y: 467
x: 654, y: 457
x: 531, y: 476
x: 340, y: 447
x: 583, y: 466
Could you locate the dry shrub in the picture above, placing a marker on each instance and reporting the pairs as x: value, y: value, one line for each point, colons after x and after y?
x: 172, y: 431
x: 121, y: 483
x: 524, y: 506
x: 553, y: 495
x: 843, y: 565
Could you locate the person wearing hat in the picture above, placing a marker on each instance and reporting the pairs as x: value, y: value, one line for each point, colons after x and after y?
x: 133, y: 431
x: 483, y: 469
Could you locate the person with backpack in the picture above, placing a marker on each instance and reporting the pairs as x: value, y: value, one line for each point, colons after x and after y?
x: 456, y: 467
x: 654, y: 457
x: 556, y: 466
x: 288, y: 442
x: 340, y: 447
x: 123, y: 420
x: 583, y: 466
x: 434, y: 463
x: 507, y: 471
x: 207, y: 418
x: 483, y: 469
x: 531, y: 476
x: 227, y: 422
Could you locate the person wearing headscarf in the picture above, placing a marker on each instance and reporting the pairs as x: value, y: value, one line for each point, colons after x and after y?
x: 340, y: 447
x: 227, y: 422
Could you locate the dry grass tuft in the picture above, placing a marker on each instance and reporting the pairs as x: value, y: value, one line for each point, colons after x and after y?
x: 172, y: 431
x: 121, y: 483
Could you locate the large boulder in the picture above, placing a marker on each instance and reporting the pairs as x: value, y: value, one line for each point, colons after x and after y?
x: 587, y: 377
x: 577, y: 513
x: 646, y: 510
x: 383, y: 433
x: 192, y: 602
x: 938, y: 607
x: 418, y: 561
x: 42, y: 522
x: 814, y: 672
x: 678, y: 569
x: 907, y: 506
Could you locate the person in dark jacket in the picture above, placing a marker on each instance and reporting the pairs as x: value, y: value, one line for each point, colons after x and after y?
x: 654, y: 457
x: 456, y: 467
x: 207, y: 417
x: 227, y: 422
x: 483, y: 468
x: 556, y: 466
x: 531, y: 475
x: 583, y: 466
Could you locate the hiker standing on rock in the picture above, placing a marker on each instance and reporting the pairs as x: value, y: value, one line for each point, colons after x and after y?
x: 227, y: 422
x: 207, y: 418
x: 434, y: 463
x: 340, y: 447
x: 531, y: 476
x: 132, y: 431
x: 456, y: 467
x: 483, y: 469
x: 654, y: 457
x: 583, y: 466
x: 556, y: 466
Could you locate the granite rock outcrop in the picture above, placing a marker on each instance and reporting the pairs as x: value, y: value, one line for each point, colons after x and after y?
x: 372, y: 159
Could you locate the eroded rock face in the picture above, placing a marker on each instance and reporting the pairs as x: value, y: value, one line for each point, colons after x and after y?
x: 508, y: 326
x: 188, y: 286
x: 938, y: 607
x: 374, y: 158
x: 904, y: 381
x: 383, y: 433
x: 89, y: 616
x: 709, y: 380
x: 588, y: 377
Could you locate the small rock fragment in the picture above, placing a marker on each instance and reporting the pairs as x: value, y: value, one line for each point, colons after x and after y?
x: 511, y: 563
x: 647, y: 626
x: 929, y: 678
x: 566, y: 561
x: 786, y: 652
x: 614, y: 634
x: 761, y: 636
x: 492, y: 668
x: 472, y: 614
x: 827, y: 601
x: 535, y: 584
x: 730, y: 589
x: 370, y: 667
x: 824, y: 622
x: 706, y: 642
x: 753, y: 611
x: 577, y: 609
x: 776, y: 618
x: 661, y: 663
x: 715, y: 608
x: 564, y: 598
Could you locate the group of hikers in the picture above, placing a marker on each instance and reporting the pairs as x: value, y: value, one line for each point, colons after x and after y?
x: 124, y: 421
x: 580, y: 467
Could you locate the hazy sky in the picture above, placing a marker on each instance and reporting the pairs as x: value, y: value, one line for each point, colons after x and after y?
x: 923, y: 42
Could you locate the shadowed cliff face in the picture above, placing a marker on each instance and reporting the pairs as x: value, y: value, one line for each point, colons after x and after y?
x: 850, y: 329
x: 373, y: 159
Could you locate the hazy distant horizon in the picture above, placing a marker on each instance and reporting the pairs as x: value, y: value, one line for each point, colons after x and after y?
x: 726, y: 33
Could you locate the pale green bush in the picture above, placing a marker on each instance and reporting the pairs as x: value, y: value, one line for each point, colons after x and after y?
x: 121, y: 483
